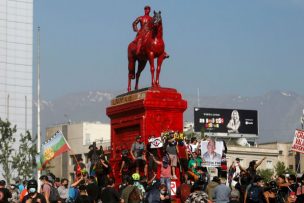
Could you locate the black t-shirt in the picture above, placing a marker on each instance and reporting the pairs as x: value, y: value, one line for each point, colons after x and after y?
x: 84, y: 199
x: 6, y: 194
x: 93, y: 190
x: 38, y: 198
x: 110, y: 195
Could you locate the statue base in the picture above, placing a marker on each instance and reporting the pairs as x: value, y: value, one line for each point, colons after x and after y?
x: 146, y: 112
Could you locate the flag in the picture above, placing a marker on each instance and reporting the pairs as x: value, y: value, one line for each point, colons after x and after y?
x: 53, y: 148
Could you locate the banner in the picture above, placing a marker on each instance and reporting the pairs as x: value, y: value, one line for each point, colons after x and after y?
x: 226, y: 122
x: 211, y: 153
x: 52, y: 148
x: 156, y: 142
x: 298, y: 141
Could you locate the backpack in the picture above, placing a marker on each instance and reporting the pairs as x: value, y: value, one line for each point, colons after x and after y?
x: 253, y: 193
x: 73, y: 194
x: 54, y: 194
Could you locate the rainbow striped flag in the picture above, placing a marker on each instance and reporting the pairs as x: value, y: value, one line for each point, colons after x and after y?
x: 51, y: 149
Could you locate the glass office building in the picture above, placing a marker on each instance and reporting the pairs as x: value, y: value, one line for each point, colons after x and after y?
x: 16, y: 62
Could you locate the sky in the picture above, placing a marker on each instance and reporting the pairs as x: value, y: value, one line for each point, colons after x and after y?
x: 222, y: 47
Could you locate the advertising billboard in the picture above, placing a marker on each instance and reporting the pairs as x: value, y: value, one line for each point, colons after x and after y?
x: 226, y: 122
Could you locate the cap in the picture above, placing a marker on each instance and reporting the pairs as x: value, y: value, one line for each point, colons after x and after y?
x: 32, y: 184
x: 136, y: 176
x: 138, y: 137
x: 2, y: 182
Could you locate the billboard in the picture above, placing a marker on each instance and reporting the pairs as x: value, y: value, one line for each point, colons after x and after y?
x: 226, y: 122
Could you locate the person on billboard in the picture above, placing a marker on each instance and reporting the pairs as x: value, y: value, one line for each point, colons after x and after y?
x: 234, y: 123
x: 211, y: 155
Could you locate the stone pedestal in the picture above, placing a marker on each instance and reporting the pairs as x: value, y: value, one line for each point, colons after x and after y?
x: 145, y: 112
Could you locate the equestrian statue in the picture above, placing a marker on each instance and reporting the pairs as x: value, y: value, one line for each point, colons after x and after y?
x: 147, y: 45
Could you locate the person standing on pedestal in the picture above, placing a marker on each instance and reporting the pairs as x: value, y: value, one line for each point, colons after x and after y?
x: 137, y: 152
x: 172, y: 151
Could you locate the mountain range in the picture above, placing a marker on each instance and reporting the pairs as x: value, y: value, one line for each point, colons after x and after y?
x: 279, y: 112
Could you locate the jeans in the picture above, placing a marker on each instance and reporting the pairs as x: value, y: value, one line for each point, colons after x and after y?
x: 167, y: 182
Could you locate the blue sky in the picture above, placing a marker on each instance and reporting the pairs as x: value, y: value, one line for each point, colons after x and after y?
x: 221, y: 47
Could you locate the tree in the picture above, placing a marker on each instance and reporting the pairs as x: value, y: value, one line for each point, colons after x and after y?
x: 280, y: 168
x: 266, y: 174
x: 6, y: 148
x: 24, y: 160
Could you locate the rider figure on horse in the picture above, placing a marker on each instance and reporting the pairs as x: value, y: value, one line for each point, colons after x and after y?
x: 146, y: 25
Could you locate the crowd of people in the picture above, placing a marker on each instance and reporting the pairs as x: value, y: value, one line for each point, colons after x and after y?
x: 145, y: 175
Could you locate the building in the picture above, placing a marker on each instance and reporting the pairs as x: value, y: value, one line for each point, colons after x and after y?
x: 79, y: 136
x: 273, y: 151
x: 16, y: 68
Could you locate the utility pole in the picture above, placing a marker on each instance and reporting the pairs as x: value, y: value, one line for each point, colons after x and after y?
x: 38, y: 97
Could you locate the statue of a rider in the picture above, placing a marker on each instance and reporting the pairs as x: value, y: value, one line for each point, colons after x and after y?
x: 146, y: 25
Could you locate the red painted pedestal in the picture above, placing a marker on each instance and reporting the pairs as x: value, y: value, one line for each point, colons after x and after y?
x: 145, y: 112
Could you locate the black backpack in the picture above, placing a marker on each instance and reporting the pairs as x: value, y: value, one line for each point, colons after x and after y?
x: 54, y: 194
x: 253, y: 193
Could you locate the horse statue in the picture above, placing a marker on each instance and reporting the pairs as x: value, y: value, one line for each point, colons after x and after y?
x: 153, y: 47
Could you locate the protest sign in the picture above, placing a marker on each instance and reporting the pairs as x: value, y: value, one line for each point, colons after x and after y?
x: 298, y: 141
x: 211, y: 152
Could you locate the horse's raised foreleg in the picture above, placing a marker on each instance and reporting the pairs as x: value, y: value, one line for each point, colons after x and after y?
x: 141, y: 66
x: 152, y: 69
x: 158, y: 69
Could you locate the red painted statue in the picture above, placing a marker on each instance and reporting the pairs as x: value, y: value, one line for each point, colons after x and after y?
x: 147, y: 46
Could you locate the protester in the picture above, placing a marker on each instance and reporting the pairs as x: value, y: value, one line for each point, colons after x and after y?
x: 136, y: 182
x: 131, y: 193
x: 63, y: 190
x: 102, y: 169
x: 300, y: 190
x: 138, y: 155
x: 33, y: 196
x: 125, y: 168
x: 193, y: 145
x: 253, y: 165
x: 13, y: 189
x: 5, y: 193
x: 164, y: 194
x: 172, y: 151
x: 83, y: 195
x: 271, y: 194
x: 222, y: 192
x: 194, y: 163
x: 165, y: 171
x: 79, y: 166
x: 92, y: 188
x: 109, y: 194
x: 197, y: 195
x: 211, y: 186
x: 254, y: 192
x: 153, y: 195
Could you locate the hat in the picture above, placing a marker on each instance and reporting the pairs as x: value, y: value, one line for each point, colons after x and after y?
x: 147, y: 7
x: 138, y: 137
x: 216, y: 179
x: 2, y: 182
x: 91, y: 146
x: 136, y: 176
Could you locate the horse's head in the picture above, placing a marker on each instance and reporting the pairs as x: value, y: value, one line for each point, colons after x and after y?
x: 157, y: 19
